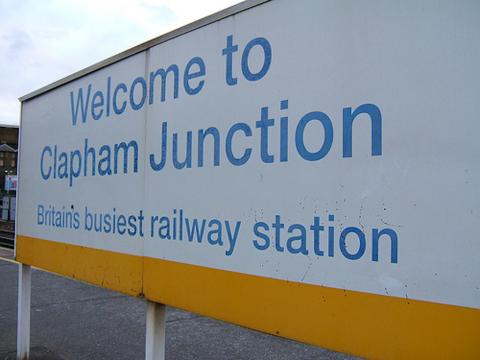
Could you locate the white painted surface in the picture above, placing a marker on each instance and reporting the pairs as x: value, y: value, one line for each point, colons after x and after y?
x: 155, y: 334
x: 24, y: 310
x: 417, y: 62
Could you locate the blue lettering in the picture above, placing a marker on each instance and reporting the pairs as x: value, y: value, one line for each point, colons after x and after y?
x: 125, y: 147
x: 75, y: 171
x: 97, y: 102
x: 40, y: 215
x: 264, y: 123
x: 301, y: 238
x: 137, y: 106
x: 45, y: 175
x: 157, y: 166
x: 361, y: 240
x: 267, y: 59
x: 194, y: 230
x: 188, y: 152
x: 202, y: 134
x: 262, y: 236
x: 163, y: 74
x: 228, y: 52
x: 376, y: 117
x: 284, y: 133
x: 189, y: 76
x: 393, y: 244
x: 228, y: 144
x: 124, y: 89
x: 328, y: 137
x: 83, y: 104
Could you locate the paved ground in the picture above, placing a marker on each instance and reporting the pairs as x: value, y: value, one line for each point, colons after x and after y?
x: 72, y: 320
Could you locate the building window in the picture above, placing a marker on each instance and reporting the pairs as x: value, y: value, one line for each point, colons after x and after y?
x: 12, y: 163
x: 1, y: 162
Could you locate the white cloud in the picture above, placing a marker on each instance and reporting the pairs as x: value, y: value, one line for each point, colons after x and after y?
x: 43, y: 41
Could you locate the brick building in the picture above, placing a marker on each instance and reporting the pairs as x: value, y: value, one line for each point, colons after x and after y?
x: 8, y: 153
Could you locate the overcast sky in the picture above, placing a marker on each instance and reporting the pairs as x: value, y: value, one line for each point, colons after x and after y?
x: 43, y: 41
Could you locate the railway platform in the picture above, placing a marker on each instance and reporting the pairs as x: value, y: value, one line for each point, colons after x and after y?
x: 71, y: 320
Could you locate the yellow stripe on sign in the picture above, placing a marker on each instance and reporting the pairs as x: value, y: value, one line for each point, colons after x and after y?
x: 373, y: 326
x: 364, y: 324
x: 120, y: 272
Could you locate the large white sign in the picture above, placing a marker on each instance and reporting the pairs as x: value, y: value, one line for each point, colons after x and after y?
x: 324, y: 143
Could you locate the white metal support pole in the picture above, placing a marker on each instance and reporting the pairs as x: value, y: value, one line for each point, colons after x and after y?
x: 155, y: 336
x: 23, y: 321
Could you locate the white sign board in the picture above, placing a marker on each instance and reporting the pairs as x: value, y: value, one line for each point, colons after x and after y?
x: 320, y: 155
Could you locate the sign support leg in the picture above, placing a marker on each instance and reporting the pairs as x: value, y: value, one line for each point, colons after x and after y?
x: 23, y: 320
x: 155, y: 336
